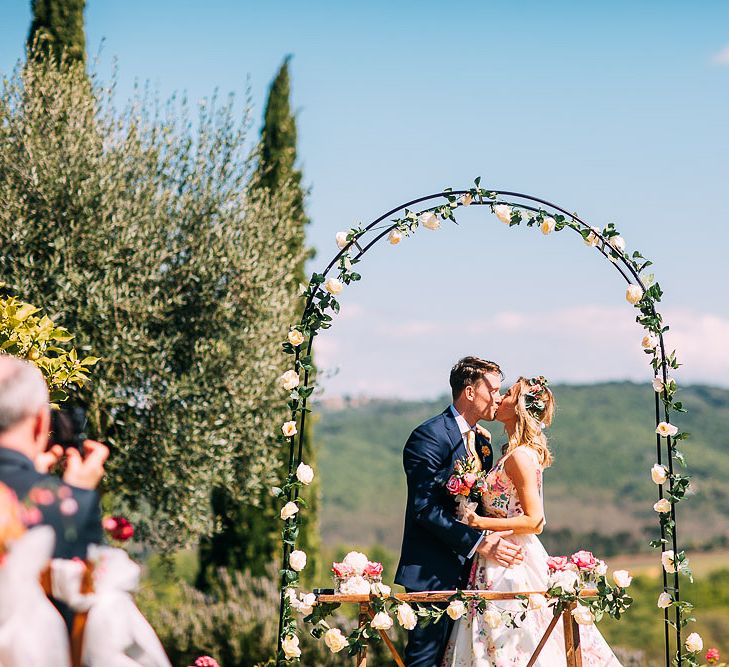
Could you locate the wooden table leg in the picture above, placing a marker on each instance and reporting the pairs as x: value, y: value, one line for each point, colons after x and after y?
x: 364, y: 617
x: 572, y: 638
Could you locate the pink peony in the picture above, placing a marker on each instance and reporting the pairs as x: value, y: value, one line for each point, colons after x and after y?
x: 454, y: 486
x: 205, y: 661
x: 712, y: 656
x: 118, y: 528
x: 469, y: 479
x: 584, y: 560
x: 373, y: 569
x: 342, y: 571
x: 557, y: 563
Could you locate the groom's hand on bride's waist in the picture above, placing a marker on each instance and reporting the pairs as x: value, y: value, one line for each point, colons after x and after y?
x: 496, y: 546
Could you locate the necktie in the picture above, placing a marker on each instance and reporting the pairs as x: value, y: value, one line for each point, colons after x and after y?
x: 471, y: 447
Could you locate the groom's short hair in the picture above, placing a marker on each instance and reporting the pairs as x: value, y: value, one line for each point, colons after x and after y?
x: 468, y: 371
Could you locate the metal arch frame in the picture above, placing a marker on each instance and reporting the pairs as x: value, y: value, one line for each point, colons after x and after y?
x: 626, y: 270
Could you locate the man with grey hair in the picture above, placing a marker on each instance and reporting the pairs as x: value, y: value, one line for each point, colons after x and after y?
x: 69, y: 505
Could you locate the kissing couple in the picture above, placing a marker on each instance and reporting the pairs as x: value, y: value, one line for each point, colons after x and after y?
x: 495, y: 547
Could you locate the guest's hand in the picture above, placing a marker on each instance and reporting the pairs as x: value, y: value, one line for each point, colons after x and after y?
x: 45, y: 461
x: 472, y: 519
x: 86, y: 473
x: 504, y: 552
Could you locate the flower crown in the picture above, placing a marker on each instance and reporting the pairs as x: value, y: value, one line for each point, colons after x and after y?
x: 535, y: 396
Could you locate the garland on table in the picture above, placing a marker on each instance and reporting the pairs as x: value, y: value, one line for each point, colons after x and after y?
x: 643, y: 293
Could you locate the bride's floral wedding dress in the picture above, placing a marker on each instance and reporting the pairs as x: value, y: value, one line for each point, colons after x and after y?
x: 474, y: 643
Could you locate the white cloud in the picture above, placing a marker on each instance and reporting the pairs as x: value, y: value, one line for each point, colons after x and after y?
x: 721, y: 57
x: 378, y: 356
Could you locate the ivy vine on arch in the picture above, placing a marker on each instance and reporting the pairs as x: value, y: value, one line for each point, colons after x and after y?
x: 511, y: 208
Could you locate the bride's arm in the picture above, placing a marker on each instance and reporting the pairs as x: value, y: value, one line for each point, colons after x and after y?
x: 522, y: 470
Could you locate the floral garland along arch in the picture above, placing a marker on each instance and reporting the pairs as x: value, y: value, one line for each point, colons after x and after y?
x: 511, y: 208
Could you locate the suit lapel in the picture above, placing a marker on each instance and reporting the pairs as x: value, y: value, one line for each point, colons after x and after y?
x: 458, y: 449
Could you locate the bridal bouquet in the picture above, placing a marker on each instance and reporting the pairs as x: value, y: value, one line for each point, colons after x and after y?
x: 467, y: 484
x: 358, y: 575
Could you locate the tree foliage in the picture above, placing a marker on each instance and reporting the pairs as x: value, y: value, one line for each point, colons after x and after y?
x: 58, y: 29
x: 150, y: 237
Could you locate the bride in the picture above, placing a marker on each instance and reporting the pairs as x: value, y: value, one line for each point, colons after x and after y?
x: 513, y: 501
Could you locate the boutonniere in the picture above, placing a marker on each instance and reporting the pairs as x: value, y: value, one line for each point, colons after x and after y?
x: 486, y: 450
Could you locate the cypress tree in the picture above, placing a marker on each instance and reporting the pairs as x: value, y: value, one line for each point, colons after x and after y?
x: 58, y: 29
x: 250, y: 535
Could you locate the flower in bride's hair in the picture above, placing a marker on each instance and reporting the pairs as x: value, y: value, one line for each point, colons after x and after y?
x: 406, y: 616
x: 297, y: 560
x: 503, y: 213
x: 659, y: 473
x: 335, y: 640
x: 289, y: 510
x: 664, y: 600
x: 341, y: 239
x: 429, y: 220
x: 668, y: 560
x: 295, y: 337
x: 305, y: 473
x: 547, y: 226
x: 394, y: 237
x: 662, y: 506
x: 665, y: 430
x: 334, y: 286
x: 456, y: 609
x: 649, y: 342
x: 634, y: 294
x: 583, y: 615
x: 492, y: 617
x: 289, y: 380
x: 381, y: 621
x: 289, y: 429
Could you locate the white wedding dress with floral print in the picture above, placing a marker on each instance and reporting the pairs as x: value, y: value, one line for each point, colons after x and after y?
x: 474, y: 642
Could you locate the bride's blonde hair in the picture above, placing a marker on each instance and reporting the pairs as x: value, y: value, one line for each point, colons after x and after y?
x: 11, y: 526
x: 534, y: 411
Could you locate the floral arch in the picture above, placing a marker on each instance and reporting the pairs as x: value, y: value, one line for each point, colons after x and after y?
x: 511, y: 208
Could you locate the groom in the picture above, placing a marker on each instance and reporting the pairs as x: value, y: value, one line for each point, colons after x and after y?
x: 437, y: 548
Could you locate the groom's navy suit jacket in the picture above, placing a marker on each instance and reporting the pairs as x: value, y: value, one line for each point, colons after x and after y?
x: 435, y: 544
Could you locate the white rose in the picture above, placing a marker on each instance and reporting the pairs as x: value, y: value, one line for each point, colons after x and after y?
x: 592, y: 238
x: 565, y: 579
x: 289, y: 429
x: 649, y: 341
x: 357, y: 561
x: 334, y: 286
x: 295, y: 337
x: 467, y: 199
x: 356, y: 585
x: 381, y: 621
x: 304, y: 607
x: 664, y: 600
x: 503, y: 213
x: 537, y: 601
x: 622, y: 578
x: 380, y: 589
x: 601, y: 569
x: 347, y: 262
x: 290, y: 646
x: 297, y: 560
x: 335, y: 640
x: 406, y: 616
x: 289, y: 380
x: 492, y: 617
x: 583, y: 615
x: 394, y: 237
x: 456, y: 609
x: 668, y: 561
x: 429, y: 220
x: 341, y: 239
x: 664, y: 429
x: 304, y: 473
x: 662, y: 506
x: 634, y: 294
x: 288, y: 510
x: 308, y: 599
x: 547, y: 226
x: 694, y: 643
x: 658, y: 385
x: 659, y: 473
x: 618, y: 242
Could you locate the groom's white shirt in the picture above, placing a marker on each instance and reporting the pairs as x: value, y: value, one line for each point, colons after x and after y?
x: 465, y: 428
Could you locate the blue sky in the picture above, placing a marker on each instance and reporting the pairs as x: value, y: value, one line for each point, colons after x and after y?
x: 615, y: 110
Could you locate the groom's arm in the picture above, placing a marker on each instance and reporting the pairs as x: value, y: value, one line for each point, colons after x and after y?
x: 422, y: 459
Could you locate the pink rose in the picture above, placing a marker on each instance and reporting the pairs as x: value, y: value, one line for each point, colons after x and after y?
x: 557, y: 563
x: 469, y: 479
x: 454, y: 485
x: 118, y: 528
x: 342, y: 571
x: 712, y: 656
x: 206, y: 661
x: 41, y: 496
x: 584, y: 560
x: 373, y: 569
